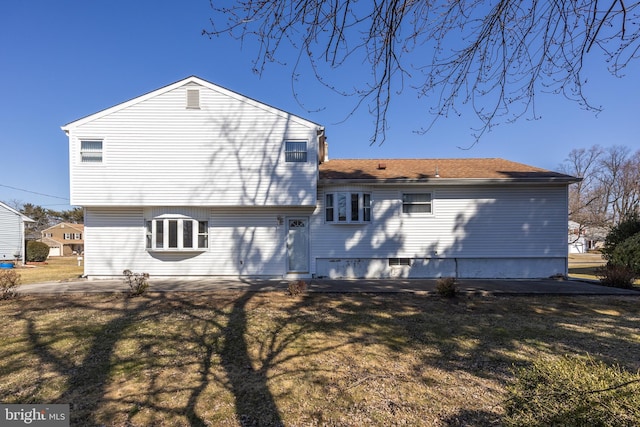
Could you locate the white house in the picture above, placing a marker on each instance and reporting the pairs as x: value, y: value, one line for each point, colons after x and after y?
x: 576, y: 240
x: 195, y: 180
x: 12, y: 243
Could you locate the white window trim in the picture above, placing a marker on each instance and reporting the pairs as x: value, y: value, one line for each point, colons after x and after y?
x: 349, y: 211
x: 150, y: 236
x: 306, y: 152
x: 82, y: 152
x: 417, y: 214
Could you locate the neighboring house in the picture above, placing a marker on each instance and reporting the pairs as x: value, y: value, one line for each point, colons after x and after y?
x: 577, y: 242
x: 196, y: 180
x: 64, y: 239
x: 12, y: 243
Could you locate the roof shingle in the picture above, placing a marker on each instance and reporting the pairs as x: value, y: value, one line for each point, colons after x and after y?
x: 429, y: 169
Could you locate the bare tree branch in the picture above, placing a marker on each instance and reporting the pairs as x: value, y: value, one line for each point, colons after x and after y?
x: 492, y: 57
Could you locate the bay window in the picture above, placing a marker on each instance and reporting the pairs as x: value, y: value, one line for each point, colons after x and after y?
x: 176, y: 234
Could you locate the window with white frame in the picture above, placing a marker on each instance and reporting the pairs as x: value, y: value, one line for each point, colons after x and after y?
x: 66, y: 236
x: 91, y: 151
x: 417, y: 203
x: 347, y: 207
x: 295, y: 151
x: 77, y: 236
x: 176, y: 234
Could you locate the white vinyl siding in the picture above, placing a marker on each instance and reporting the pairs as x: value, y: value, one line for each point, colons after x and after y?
x: 230, y: 152
x: 11, y: 234
x: 242, y: 242
x: 472, y: 222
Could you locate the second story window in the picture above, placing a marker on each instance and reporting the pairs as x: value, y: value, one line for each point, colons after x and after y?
x: 295, y: 151
x: 91, y: 151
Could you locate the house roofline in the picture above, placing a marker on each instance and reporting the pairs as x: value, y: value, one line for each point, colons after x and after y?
x: 450, y: 181
x: 191, y: 79
x: 10, y: 209
x: 70, y: 224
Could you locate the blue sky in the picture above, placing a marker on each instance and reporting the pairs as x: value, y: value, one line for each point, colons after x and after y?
x: 63, y: 60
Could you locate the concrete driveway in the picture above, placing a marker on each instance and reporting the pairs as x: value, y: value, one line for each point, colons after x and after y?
x: 422, y: 286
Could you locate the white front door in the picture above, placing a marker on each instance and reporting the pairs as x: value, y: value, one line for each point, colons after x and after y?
x: 298, y: 245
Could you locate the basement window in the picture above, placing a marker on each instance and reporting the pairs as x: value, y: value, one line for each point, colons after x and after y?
x: 176, y: 234
x: 399, y: 261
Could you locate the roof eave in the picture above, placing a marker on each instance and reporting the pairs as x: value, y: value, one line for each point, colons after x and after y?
x: 449, y: 181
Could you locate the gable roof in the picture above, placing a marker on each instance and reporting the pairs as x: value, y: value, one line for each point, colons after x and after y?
x: 77, y: 227
x: 441, y: 171
x: 10, y: 209
x: 179, y: 83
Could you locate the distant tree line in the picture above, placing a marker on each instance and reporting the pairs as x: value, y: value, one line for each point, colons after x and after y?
x: 609, y: 192
x: 45, y: 218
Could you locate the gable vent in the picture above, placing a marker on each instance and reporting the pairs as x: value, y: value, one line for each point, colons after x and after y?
x: 193, y: 98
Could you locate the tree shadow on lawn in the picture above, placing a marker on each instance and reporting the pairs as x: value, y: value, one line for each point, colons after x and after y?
x: 119, y: 339
x: 164, y: 358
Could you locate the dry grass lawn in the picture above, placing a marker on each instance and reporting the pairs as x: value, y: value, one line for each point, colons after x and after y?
x: 54, y: 270
x: 255, y: 359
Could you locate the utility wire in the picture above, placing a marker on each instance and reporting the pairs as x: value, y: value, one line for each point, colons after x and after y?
x: 34, y: 192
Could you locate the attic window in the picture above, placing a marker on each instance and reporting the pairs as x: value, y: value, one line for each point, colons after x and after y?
x: 193, y: 99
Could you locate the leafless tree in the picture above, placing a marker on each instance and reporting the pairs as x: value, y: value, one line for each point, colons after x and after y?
x: 620, y: 176
x: 586, y: 205
x: 610, y: 188
x: 490, y: 56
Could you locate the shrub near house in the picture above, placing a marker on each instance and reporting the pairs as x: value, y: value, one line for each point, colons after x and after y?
x: 37, y: 251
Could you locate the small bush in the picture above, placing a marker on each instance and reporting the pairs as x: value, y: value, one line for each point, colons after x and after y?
x: 447, y: 287
x: 573, y: 391
x: 616, y: 276
x: 138, y: 282
x: 9, y: 280
x: 297, y: 287
x: 37, y: 251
